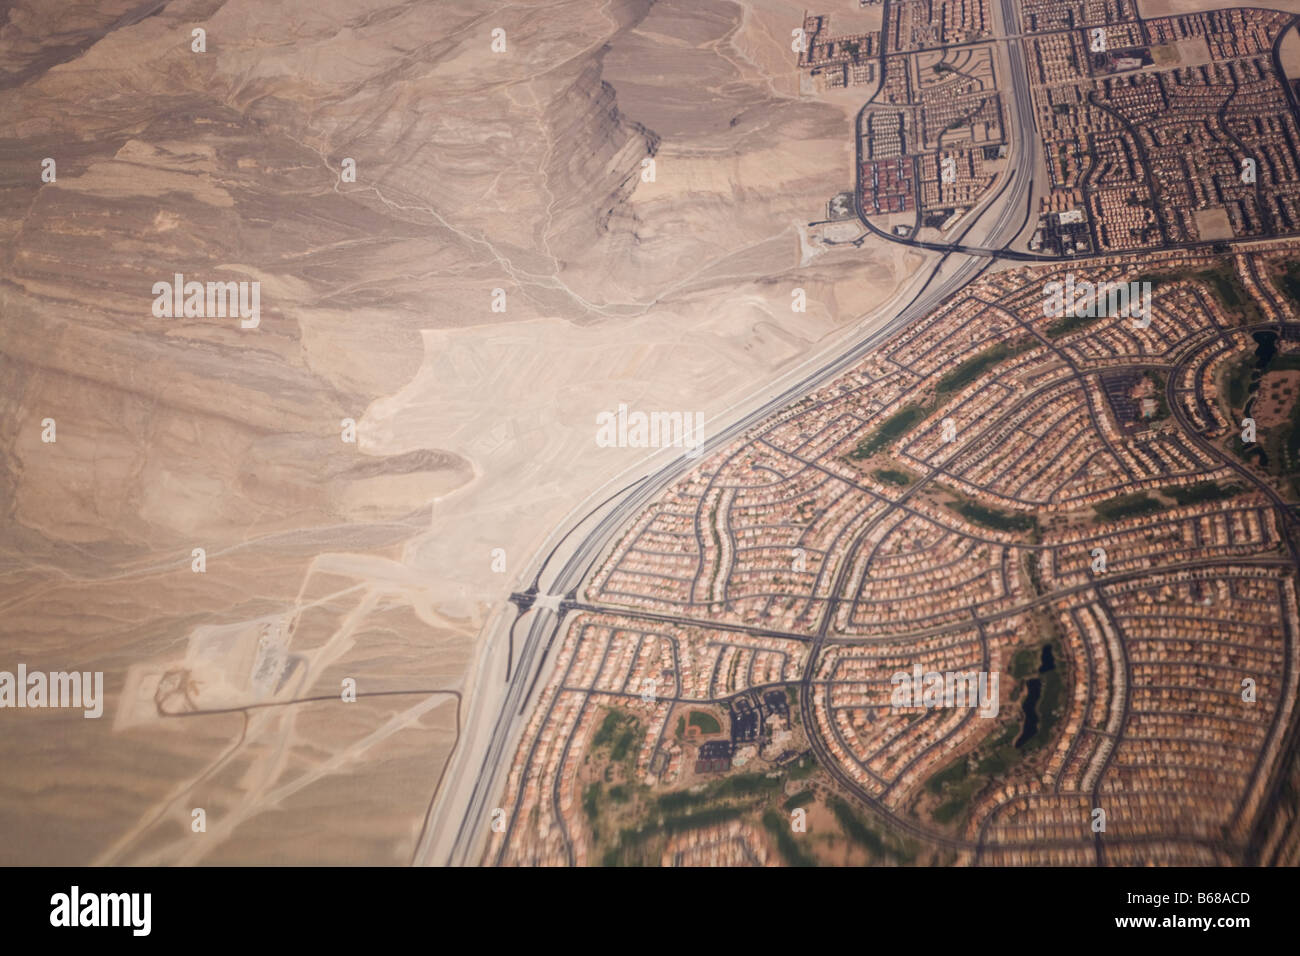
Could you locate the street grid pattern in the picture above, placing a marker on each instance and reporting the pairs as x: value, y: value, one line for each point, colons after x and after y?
x: 1198, y: 597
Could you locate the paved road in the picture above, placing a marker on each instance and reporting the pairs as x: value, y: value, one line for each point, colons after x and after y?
x: 495, y: 721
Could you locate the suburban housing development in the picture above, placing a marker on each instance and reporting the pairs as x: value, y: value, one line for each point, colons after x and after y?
x: 1066, y: 502
x: 1018, y: 586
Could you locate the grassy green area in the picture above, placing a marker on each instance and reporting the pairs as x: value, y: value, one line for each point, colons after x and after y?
x: 623, y: 744
x: 591, y: 807
x: 953, y: 773
x: 1071, y: 323
x: 1222, y: 281
x: 802, y: 768
x: 1238, y: 381
x: 890, y: 429
x: 1162, y: 401
x: 893, y: 476
x: 707, y: 723
x: 1030, y: 562
x: 746, y: 785
x: 993, y: 518
x: 996, y: 763
x: 1289, y: 282
x: 1126, y: 506
x: 1198, y: 493
x: 681, y: 799
x: 857, y: 830
x: 798, y: 800
x: 717, y: 543
x: 957, y: 791
x: 897, y: 424
x: 973, y: 368
x: 731, y: 798
x: 950, y: 810
x: 608, y: 726
x: 1000, y: 754
x: 1226, y: 286
x: 738, y: 787
x: 654, y: 818
x: 1026, y: 662
x: 619, y: 731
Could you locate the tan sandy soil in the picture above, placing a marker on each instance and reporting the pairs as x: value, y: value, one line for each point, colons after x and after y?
x: 1213, y: 223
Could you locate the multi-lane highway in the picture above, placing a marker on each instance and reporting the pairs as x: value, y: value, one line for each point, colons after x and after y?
x: 497, y: 712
